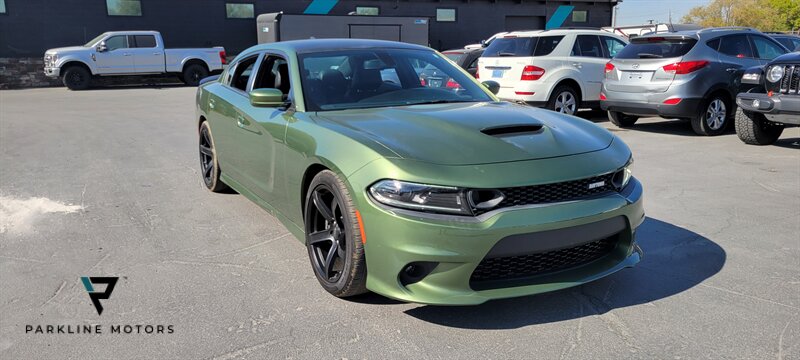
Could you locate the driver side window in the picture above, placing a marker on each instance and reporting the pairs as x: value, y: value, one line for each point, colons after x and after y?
x: 116, y: 42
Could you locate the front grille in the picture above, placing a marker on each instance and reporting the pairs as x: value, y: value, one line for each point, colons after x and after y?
x: 790, y: 84
x: 503, y: 271
x: 554, y: 192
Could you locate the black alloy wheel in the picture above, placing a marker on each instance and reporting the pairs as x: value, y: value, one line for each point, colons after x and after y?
x: 209, y: 166
x: 327, y: 238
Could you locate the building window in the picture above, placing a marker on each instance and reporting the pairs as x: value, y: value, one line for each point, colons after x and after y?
x: 446, y: 15
x: 368, y: 10
x: 579, y: 16
x: 2, y: 6
x: 239, y: 11
x: 124, y: 7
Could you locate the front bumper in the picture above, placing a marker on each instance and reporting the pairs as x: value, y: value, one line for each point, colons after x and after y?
x: 778, y: 108
x: 398, y: 238
x: 52, y: 72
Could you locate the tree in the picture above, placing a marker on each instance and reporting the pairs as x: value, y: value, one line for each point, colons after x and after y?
x: 765, y: 15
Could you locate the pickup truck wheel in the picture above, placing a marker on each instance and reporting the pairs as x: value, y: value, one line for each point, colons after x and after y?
x: 622, y: 120
x: 712, y: 119
x: 77, y: 78
x: 755, y: 129
x: 193, y: 73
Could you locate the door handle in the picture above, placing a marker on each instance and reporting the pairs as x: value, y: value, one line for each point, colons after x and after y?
x: 577, y: 65
x: 126, y: 54
x: 730, y: 70
x: 240, y: 121
x: 156, y: 53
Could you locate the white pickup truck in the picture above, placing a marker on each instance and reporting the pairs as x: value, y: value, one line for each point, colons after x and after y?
x: 130, y: 53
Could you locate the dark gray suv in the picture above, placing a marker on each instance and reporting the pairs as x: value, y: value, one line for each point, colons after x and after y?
x: 689, y: 74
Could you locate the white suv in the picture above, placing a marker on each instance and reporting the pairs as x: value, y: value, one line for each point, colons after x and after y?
x: 561, y: 70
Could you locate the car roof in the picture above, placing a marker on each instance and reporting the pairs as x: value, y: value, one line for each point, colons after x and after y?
x: 704, y: 33
x: 558, y: 31
x: 321, y: 45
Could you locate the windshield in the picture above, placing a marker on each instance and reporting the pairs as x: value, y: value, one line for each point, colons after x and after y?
x: 353, y: 79
x: 93, y: 41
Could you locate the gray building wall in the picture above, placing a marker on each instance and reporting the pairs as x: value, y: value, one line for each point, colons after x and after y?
x: 29, y: 27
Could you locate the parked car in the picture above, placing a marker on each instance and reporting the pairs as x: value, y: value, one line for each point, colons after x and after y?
x: 421, y: 194
x: 485, y: 43
x: 130, y: 53
x: 561, y: 70
x: 772, y: 104
x: 789, y: 41
x: 689, y: 74
x: 466, y: 58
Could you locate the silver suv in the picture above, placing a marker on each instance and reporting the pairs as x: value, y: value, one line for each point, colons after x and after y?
x: 688, y: 74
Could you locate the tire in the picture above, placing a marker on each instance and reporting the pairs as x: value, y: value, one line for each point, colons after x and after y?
x: 333, y: 237
x: 755, y: 129
x: 565, y: 100
x: 193, y: 73
x: 77, y: 78
x: 622, y: 120
x: 714, y: 117
x: 209, y: 164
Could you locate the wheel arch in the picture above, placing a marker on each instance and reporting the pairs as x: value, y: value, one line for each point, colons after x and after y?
x: 191, y: 61
x: 70, y: 63
x: 569, y: 82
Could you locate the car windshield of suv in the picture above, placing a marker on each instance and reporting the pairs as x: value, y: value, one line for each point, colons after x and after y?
x: 454, y: 56
x: 353, y: 79
x: 656, y: 48
x: 95, y: 40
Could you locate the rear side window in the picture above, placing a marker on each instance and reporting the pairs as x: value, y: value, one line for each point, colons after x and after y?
x: 736, y: 46
x: 656, y: 48
x: 613, y: 46
x: 145, y: 41
x: 511, y: 46
x: 587, y: 45
x: 522, y: 46
x: 546, y: 45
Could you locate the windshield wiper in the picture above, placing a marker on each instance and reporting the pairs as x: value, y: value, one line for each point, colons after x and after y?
x: 649, y: 56
x: 506, y: 54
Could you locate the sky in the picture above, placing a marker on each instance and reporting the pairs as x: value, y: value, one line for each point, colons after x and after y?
x: 636, y: 12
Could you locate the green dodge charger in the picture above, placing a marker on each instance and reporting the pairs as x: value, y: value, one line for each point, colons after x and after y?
x: 419, y: 189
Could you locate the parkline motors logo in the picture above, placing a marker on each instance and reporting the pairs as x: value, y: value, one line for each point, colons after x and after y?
x: 97, y: 296
x: 90, y: 283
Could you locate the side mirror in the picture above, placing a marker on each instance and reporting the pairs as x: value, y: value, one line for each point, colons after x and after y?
x: 101, y: 47
x: 266, y: 98
x: 484, y: 43
x: 492, y: 85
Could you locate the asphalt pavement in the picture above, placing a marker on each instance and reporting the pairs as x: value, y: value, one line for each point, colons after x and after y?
x: 105, y: 183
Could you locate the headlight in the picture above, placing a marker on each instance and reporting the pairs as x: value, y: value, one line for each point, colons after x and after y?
x: 433, y: 198
x: 775, y: 73
x: 623, y: 176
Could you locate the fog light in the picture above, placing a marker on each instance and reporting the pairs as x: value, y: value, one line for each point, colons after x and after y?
x: 756, y: 103
x: 416, y: 271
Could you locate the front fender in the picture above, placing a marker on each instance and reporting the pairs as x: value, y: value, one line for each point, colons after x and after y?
x: 85, y: 59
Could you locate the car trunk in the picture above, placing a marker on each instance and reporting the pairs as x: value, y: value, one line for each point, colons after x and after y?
x: 639, y: 67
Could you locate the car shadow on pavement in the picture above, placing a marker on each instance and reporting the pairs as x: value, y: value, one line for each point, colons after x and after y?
x: 675, y: 260
x: 789, y: 143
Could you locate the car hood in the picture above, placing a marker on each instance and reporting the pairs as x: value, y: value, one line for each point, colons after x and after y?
x: 471, y: 133
x: 68, y: 49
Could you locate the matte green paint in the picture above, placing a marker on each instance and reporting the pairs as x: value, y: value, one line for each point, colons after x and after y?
x: 264, y: 154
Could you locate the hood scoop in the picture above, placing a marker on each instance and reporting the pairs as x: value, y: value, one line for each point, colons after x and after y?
x: 513, y: 130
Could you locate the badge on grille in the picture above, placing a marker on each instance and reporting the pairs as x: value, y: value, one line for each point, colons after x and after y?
x: 597, y: 184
